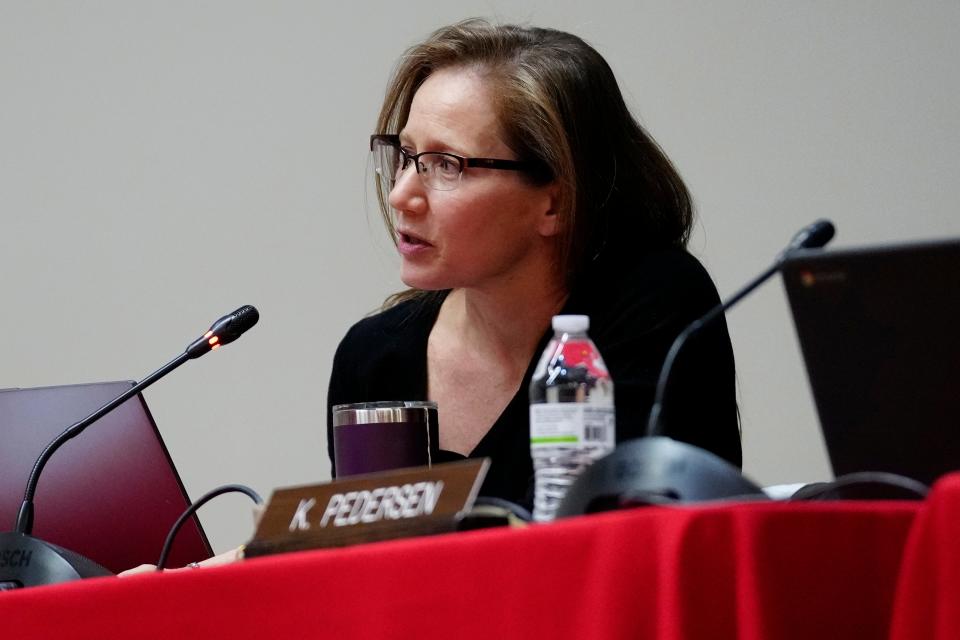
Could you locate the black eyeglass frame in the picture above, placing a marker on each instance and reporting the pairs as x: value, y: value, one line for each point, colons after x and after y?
x: 393, y: 139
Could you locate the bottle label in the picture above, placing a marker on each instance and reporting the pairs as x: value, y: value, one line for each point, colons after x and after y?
x: 572, y: 424
x: 581, y: 353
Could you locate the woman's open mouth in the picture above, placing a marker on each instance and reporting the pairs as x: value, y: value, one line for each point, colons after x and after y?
x: 410, y: 245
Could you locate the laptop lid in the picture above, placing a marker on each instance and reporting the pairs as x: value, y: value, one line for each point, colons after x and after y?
x: 111, y: 493
x: 879, y: 329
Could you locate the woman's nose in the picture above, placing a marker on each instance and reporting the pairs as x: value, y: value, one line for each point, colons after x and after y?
x: 408, y: 193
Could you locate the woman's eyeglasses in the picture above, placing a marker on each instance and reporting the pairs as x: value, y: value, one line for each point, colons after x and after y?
x: 439, y: 171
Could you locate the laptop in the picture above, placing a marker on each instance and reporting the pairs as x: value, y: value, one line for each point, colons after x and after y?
x: 879, y: 329
x: 111, y: 493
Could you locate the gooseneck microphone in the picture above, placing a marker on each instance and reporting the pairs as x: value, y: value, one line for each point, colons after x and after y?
x: 813, y: 236
x: 657, y: 469
x: 48, y: 563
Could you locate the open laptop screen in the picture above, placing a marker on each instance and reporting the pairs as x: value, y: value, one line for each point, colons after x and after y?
x: 879, y: 329
x: 111, y: 493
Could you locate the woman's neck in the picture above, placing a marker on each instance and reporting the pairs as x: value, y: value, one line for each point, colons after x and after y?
x: 507, y: 323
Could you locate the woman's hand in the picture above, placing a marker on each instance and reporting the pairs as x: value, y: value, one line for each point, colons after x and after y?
x: 227, y: 557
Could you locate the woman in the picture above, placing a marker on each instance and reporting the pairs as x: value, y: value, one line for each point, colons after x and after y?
x: 517, y: 186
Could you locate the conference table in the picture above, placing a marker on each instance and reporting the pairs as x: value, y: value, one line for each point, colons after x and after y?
x: 747, y: 570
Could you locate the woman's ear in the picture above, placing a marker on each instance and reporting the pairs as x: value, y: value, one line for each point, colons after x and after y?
x: 549, y: 221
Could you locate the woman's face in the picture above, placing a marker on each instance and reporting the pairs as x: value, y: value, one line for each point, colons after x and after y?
x: 494, y: 227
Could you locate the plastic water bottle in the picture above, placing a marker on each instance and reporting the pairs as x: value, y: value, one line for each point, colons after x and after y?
x: 572, y: 421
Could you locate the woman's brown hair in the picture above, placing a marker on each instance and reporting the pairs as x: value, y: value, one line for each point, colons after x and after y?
x: 560, y: 108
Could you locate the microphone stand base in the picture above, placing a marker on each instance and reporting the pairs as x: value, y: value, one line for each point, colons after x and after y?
x: 26, y: 561
x: 655, y: 470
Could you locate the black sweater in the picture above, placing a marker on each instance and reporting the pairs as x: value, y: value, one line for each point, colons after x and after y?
x: 633, y: 322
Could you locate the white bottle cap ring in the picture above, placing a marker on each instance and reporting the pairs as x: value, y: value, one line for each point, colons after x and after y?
x: 571, y: 324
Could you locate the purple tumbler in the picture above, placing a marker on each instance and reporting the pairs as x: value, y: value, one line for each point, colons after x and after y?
x: 378, y: 436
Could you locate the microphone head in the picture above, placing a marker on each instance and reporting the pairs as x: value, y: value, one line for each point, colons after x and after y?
x: 224, y: 331
x: 233, y: 325
x: 813, y: 236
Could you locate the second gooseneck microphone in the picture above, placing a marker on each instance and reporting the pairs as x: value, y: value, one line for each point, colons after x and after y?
x: 813, y: 236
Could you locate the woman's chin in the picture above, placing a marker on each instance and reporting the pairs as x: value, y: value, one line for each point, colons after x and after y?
x: 417, y: 279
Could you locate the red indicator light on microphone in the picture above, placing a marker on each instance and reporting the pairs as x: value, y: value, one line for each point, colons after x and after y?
x: 214, y: 340
x: 214, y: 347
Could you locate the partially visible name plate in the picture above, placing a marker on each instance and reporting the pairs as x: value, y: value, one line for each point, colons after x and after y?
x: 368, y: 508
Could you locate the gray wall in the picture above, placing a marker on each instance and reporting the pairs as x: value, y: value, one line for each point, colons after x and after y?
x: 164, y: 162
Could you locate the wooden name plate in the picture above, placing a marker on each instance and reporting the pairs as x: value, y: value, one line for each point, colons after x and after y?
x: 369, y: 508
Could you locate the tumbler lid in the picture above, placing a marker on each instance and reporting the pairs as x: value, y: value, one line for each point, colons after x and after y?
x: 383, y: 411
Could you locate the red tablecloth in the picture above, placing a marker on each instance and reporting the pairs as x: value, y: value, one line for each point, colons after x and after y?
x: 738, y: 571
x: 928, y: 595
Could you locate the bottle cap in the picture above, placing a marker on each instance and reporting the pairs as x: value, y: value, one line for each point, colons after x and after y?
x: 571, y: 324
